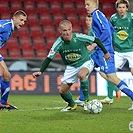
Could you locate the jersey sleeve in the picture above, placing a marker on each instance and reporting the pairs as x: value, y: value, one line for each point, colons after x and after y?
x: 85, y: 38
x: 102, y: 25
x: 55, y: 48
x: 112, y: 19
x: 2, y: 32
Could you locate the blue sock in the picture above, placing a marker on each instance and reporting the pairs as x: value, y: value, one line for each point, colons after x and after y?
x: 81, y: 96
x: 5, y: 89
x: 0, y: 86
x: 124, y: 88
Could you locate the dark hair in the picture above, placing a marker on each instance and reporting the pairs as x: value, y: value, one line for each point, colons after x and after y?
x: 122, y: 2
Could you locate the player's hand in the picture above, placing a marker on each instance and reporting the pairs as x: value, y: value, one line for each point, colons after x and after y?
x: 90, y: 48
x: 36, y: 74
x: 107, y: 56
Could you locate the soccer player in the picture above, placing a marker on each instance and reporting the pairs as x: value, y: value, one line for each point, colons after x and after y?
x: 122, y: 22
x: 88, y: 20
x: 74, y: 53
x: 6, y: 29
x: 103, y: 30
x: 80, y: 99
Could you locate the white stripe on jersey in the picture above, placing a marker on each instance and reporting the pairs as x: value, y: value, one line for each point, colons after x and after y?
x: 56, y: 42
x: 84, y: 36
x: 7, y: 23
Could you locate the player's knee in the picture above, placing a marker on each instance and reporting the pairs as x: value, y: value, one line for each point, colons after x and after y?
x: 81, y: 76
x: 62, y: 91
x: 7, y: 76
x: 1, y: 70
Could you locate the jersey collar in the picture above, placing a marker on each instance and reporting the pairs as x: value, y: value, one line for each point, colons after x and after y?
x: 12, y: 24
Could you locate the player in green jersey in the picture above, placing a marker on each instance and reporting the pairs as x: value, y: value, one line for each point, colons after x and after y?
x: 80, y: 99
x: 122, y: 22
x: 74, y: 53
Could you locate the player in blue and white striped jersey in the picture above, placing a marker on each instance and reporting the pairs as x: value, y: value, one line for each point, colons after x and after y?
x: 6, y: 28
x: 103, y: 30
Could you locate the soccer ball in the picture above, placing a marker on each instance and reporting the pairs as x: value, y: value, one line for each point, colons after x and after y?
x: 95, y: 106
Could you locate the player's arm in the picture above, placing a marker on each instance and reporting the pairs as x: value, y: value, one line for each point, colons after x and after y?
x: 100, y: 24
x: 106, y: 53
x: 52, y: 53
x: 43, y: 67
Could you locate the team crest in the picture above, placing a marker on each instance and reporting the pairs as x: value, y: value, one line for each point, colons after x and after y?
x: 1, y: 25
x: 51, y: 52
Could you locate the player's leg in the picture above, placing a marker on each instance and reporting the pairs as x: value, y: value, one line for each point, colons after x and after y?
x: 80, y: 99
x: 69, y: 78
x: 121, y: 85
x: 67, y: 97
x: 109, y: 98
x: 5, y: 87
x: 129, y: 56
x: 83, y: 74
x: 111, y: 87
x: 2, y: 106
x: 84, y: 83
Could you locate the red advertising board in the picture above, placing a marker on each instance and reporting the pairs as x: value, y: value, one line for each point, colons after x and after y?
x: 47, y: 83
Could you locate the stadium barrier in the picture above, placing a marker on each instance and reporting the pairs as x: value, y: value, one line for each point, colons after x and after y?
x: 49, y: 83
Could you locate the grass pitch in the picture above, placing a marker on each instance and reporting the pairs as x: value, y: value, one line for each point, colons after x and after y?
x: 41, y: 114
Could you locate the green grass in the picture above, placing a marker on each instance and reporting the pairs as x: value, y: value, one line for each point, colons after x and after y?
x: 37, y: 114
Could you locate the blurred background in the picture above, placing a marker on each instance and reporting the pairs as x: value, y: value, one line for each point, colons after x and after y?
x: 27, y: 48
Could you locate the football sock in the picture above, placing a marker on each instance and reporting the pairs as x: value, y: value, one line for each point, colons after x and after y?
x: 124, y: 88
x: 85, y: 88
x: 81, y: 96
x: 111, y: 87
x: 0, y: 86
x: 5, y: 89
x: 68, y: 98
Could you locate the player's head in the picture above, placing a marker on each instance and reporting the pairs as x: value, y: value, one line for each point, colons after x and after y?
x: 122, y: 7
x: 91, y: 5
x: 19, y: 18
x: 65, y: 28
x: 89, y: 21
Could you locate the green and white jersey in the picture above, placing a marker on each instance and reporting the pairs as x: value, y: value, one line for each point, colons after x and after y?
x: 123, y: 35
x: 73, y: 53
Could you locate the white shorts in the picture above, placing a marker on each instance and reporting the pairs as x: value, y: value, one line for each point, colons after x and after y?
x: 122, y: 58
x: 71, y: 73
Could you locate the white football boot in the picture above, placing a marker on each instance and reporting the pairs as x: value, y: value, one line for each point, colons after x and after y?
x: 131, y: 108
x: 69, y: 108
x: 107, y: 100
x: 79, y: 102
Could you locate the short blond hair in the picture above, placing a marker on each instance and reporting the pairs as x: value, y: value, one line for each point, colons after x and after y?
x: 64, y: 22
x: 20, y: 12
x: 95, y: 2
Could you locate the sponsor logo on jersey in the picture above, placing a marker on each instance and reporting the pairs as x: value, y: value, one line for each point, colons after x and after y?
x: 73, y: 57
x: 122, y: 35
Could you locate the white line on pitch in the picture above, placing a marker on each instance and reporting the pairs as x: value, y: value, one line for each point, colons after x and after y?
x: 36, y: 109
